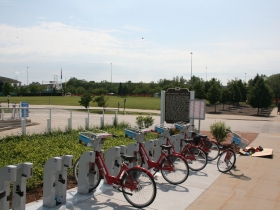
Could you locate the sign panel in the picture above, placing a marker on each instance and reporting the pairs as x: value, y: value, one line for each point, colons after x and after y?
x: 197, y: 109
x: 24, y: 112
x: 177, y: 105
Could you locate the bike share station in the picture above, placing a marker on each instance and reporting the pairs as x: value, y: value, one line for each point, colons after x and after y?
x: 55, y: 193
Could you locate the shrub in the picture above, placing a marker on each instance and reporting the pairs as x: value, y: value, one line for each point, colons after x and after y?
x: 219, y: 131
x: 144, y: 122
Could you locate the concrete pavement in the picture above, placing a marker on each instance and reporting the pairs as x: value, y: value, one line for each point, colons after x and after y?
x: 254, y: 184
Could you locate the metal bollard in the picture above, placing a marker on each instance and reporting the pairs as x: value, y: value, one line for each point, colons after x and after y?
x: 86, y: 123
x: 24, y: 171
x: 23, y: 126
x: 70, y: 123
x: 48, y: 125
x: 7, y: 175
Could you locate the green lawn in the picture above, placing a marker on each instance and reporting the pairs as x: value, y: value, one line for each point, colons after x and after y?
x: 131, y: 102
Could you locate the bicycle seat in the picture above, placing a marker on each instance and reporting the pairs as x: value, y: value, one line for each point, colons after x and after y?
x: 203, y: 136
x: 128, y: 157
x: 163, y: 146
x: 188, y: 140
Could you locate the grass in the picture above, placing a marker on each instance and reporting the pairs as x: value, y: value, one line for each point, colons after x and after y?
x: 148, y: 103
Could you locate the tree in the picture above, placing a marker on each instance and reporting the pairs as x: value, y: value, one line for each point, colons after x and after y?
x: 101, y: 101
x: 33, y: 88
x: 7, y: 88
x: 209, y: 83
x: 85, y: 99
x: 80, y: 90
x: 274, y: 82
x: 120, y: 90
x: 234, y: 91
x: 225, y: 97
x: 214, y: 94
x: 260, y: 94
x: 199, y: 89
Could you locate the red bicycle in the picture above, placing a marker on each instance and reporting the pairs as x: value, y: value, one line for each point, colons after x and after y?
x: 194, y: 155
x: 172, y: 166
x: 137, y: 184
x: 211, y: 148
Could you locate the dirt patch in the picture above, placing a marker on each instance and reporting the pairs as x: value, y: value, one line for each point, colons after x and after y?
x: 238, y: 110
x: 249, y: 136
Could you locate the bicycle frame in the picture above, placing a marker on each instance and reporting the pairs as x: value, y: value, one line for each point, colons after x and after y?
x: 153, y: 164
x: 99, y: 160
x: 182, y: 153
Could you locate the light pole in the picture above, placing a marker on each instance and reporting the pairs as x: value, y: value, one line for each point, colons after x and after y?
x: 111, y: 72
x: 27, y: 76
x: 245, y: 77
x: 191, y: 65
x: 206, y: 73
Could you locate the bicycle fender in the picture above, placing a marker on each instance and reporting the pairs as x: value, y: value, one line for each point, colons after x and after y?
x: 142, y: 169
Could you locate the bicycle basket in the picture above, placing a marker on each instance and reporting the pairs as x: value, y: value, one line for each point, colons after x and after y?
x: 243, y: 143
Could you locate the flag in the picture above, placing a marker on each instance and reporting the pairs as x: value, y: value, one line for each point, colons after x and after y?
x: 61, y: 74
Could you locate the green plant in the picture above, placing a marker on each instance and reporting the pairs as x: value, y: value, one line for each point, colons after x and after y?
x: 85, y: 99
x: 219, y: 131
x: 144, y: 122
x: 140, y: 121
x: 148, y: 121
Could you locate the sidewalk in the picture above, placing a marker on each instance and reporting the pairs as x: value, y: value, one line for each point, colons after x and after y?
x: 255, y: 182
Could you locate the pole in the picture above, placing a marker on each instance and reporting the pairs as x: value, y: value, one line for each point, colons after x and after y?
x: 191, y: 65
x: 206, y: 73
x: 27, y: 77
x: 111, y: 72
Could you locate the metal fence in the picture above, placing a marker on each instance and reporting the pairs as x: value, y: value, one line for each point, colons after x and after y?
x: 40, y: 120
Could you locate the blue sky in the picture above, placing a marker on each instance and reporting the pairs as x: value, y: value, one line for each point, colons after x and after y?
x: 144, y: 40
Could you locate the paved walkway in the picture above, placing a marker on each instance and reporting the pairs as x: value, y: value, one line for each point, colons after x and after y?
x: 253, y: 185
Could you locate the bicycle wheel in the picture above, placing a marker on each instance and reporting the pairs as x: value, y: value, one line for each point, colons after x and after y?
x: 139, y: 160
x: 214, y: 151
x: 179, y: 169
x: 226, y: 161
x: 196, y: 158
x: 94, y: 174
x: 139, y: 187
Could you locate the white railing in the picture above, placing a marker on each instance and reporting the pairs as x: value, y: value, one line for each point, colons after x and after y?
x: 47, y: 119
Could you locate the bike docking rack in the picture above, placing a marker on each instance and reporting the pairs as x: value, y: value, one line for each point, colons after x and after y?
x: 133, y: 149
x: 24, y: 171
x: 96, y: 141
x: 8, y: 174
x: 85, y: 178
x: 55, y: 180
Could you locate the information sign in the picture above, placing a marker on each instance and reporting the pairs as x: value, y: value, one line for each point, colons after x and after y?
x: 24, y: 112
x: 177, y: 105
x: 197, y: 109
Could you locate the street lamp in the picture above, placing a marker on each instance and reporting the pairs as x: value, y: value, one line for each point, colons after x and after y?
x: 111, y: 72
x: 191, y: 65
